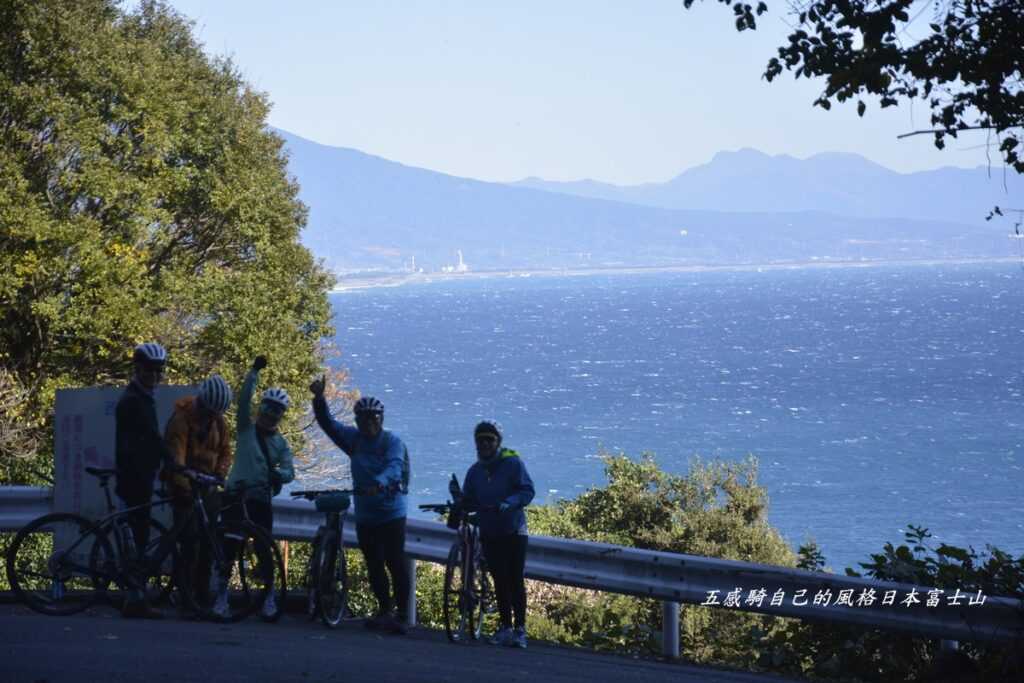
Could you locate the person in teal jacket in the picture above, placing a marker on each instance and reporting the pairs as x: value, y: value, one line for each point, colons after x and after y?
x: 263, y: 464
x: 377, y: 464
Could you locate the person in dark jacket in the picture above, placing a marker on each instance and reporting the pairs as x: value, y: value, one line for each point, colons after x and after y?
x: 139, y: 451
x: 498, y: 487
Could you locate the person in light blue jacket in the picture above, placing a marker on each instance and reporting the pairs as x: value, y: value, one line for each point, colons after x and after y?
x: 377, y: 464
x: 498, y: 487
x: 263, y: 464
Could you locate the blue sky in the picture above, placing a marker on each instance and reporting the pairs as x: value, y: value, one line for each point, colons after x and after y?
x: 564, y: 89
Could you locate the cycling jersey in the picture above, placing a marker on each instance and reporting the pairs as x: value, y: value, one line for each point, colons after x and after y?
x: 197, y: 441
x: 503, y: 479
x: 251, y: 466
x: 378, y: 461
x: 138, y: 446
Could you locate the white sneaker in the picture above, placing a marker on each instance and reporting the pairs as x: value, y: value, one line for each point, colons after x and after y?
x: 518, y: 638
x: 221, y: 609
x: 269, y: 610
x: 501, y: 637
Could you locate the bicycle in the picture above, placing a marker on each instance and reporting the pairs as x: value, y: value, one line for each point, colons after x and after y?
x: 327, y: 572
x: 468, y: 594
x: 236, y: 498
x: 63, y: 563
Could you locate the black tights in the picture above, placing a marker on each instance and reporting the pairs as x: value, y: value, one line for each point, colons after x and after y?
x: 506, y: 559
x: 383, y: 546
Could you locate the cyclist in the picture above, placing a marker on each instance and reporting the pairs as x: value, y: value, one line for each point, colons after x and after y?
x: 377, y: 458
x: 498, y: 486
x: 197, y: 437
x: 138, y: 452
x: 263, y: 461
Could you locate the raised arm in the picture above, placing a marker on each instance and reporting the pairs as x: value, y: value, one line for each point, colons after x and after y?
x: 243, y: 416
x: 342, y: 435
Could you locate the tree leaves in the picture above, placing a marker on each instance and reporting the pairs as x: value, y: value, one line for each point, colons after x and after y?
x: 144, y: 198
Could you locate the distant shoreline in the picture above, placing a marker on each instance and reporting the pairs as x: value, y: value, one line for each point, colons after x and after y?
x: 356, y: 282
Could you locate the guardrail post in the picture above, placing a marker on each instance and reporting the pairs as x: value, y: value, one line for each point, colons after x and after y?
x: 410, y: 607
x: 670, y: 629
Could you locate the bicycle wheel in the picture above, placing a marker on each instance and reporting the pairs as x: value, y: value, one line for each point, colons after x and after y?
x: 48, y: 564
x: 333, y: 592
x: 160, y: 580
x: 246, y: 561
x: 483, y: 592
x: 110, y: 568
x: 456, y: 615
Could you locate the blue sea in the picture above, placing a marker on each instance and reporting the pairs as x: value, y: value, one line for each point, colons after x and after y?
x: 873, y: 397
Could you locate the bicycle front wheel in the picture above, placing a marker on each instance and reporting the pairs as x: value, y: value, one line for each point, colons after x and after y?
x: 242, y: 568
x: 457, y: 613
x: 48, y: 564
x: 110, y: 568
x: 333, y: 590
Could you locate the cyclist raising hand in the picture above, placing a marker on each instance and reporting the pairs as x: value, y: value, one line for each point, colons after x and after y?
x: 263, y: 459
x: 377, y: 460
x: 499, y: 486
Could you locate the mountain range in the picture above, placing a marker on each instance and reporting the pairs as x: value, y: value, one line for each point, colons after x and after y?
x: 843, y: 184
x: 368, y: 213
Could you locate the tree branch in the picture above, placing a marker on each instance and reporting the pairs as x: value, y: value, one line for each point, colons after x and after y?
x: 943, y: 130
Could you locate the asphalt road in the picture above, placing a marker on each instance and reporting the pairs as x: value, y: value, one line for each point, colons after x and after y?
x: 101, y: 646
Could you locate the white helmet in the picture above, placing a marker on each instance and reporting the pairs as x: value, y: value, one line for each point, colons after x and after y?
x: 215, y: 393
x: 150, y: 352
x: 277, y: 395
x: 368, y: 404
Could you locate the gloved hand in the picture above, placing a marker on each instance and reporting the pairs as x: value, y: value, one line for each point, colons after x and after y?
x: 259, y: 363
x: 454, y: 489
x: 503, y: 507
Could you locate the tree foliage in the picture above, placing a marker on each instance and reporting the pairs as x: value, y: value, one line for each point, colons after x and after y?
x: 716, y: 509
x: 142, y: 198
x: 967, y: 65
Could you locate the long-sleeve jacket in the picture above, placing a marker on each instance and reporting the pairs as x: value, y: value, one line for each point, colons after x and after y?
x: 208, y: 452
x: 503, y: 479
x: 251, y: 467
x: 139, y: 448
x: 376, y: 461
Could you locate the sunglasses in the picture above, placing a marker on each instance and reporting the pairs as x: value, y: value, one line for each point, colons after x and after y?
x: 486, y: 438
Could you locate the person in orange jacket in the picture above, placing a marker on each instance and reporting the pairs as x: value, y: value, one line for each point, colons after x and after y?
x: 197, y: 437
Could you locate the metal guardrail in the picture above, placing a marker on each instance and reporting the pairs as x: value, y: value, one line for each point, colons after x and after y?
x: 674, y: 578
x: 19, y: 505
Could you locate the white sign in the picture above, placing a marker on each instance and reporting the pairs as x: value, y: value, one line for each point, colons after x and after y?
x: 84, y: 437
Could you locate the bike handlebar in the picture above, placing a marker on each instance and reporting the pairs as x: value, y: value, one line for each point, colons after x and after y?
x: 201, y: 478
x: 313, y: 495
x: 355, y: 491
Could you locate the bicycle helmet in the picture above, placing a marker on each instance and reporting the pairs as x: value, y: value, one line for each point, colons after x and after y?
x: 488, y: 427
x: 368, y: 404
x: 277, y: 395
x: 150, y: 352
x: 215, y: 394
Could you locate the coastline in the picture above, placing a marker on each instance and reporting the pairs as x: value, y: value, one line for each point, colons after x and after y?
x: 356, y: 282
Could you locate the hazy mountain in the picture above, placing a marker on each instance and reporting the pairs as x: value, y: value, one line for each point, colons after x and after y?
x: 844, y: 184
x: 367, y: 212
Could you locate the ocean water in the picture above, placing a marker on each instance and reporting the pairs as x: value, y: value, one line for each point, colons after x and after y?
x: 873, y: 397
